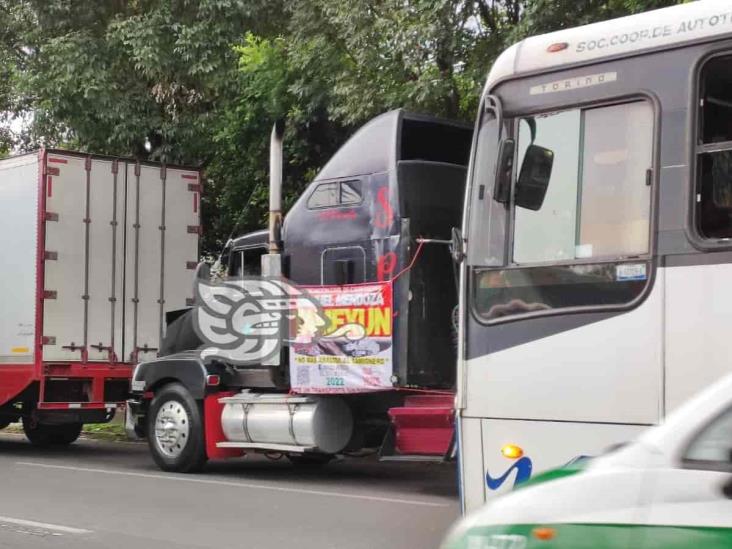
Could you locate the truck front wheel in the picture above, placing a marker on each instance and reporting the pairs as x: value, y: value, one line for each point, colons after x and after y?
x: 44, y: 434
x: 175, y: 430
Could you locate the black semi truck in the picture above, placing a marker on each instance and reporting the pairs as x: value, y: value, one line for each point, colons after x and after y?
x: 381, y: 211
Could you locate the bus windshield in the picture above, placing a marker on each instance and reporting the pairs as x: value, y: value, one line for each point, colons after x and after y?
x: 580, y: 243
x: 597, y: 203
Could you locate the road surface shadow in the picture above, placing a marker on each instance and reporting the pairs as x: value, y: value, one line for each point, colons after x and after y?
x: 429, y: 479
x: 434, y: 479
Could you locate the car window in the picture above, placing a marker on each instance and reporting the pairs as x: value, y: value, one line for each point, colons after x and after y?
x: 712, y: 447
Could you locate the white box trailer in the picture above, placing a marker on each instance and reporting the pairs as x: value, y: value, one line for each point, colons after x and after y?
x: 96, y: 251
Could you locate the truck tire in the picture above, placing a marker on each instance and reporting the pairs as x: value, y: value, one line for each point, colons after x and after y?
x: 175, y: 430
x: 44, y: 434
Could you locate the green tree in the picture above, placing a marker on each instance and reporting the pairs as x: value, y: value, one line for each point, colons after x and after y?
x: 268, y: 90
x: 116, y: 75
x: 152, y: 79
x: 381, y: 54
x: 541, y: 16
x: 202, y: 81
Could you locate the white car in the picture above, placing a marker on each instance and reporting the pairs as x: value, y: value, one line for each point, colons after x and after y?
x: 669, y: 489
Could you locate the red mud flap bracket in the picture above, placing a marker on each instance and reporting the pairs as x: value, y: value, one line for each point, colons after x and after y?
x: 213, y: 431
x: 423, y: 429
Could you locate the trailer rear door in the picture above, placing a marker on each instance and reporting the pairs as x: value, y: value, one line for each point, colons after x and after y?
x: 143, y: 261
x: 106, y: 260
x: 65, y: 257
x: 121, y: 238
x: 183, y: 193
x: 162, y: 250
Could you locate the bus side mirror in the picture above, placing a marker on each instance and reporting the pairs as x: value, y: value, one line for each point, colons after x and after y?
x: 504, y: 171
x: 533, y: 180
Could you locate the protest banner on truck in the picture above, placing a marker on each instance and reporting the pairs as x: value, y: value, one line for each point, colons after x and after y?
x: 347, y: 345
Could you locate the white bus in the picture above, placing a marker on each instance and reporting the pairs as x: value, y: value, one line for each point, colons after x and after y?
x: 597, y: 238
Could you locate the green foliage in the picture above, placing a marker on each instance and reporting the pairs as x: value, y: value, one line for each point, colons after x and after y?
x: 202, y: 81
x: 542, y: 16
x: 113, y: 431
x: 238, y: 172
x: 380, y: 55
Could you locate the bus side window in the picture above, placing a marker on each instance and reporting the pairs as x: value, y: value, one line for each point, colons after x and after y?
x: 714, y: 151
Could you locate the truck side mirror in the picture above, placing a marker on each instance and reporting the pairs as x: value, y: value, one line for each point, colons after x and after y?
x: 533, y: 180
x: 504, y: 171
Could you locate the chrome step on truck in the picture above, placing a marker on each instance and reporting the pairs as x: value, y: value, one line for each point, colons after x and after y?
x: 423, y: 429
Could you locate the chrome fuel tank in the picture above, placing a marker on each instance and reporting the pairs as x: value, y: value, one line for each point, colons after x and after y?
x: 292, y: 422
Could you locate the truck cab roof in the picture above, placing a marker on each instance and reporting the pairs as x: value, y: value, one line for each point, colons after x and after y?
x: 399, y: 135
x: 250, y: 240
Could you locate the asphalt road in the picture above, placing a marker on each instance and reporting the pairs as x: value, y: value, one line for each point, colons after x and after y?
x: 111, y: 495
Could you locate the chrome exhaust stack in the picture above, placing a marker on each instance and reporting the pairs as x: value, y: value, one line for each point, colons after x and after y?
x: 275, y: 186
x: 272, y: 261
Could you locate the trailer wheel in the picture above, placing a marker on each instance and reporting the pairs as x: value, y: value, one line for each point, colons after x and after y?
x: 44, y: 434
x: 175, y: 430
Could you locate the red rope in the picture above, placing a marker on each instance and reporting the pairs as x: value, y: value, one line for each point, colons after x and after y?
x: 411, y: 263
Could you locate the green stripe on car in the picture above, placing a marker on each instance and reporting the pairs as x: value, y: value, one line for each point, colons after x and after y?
x: 591, y: 536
